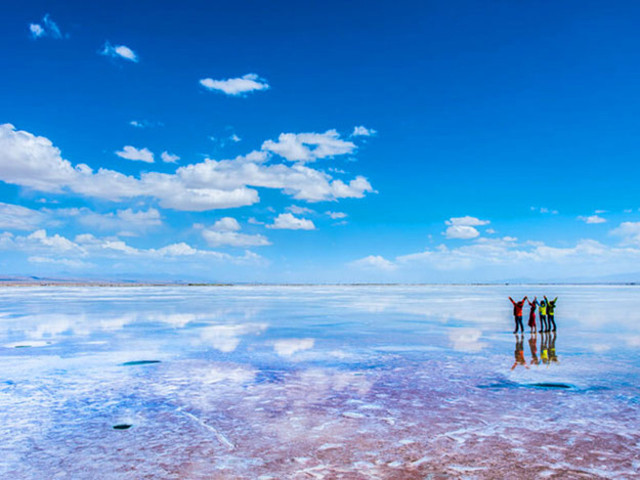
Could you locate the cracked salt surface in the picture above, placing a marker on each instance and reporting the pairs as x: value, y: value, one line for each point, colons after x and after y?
x: 316, y: 382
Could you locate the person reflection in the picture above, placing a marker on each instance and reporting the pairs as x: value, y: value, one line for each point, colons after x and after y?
x: 519, y: 352
x: 553, y: 358
x: 544, y: 348
x: 533, y: 346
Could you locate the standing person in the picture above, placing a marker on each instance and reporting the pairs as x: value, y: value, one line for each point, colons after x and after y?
x: 532, y: 314
x: 543, y: 316
x: 551, y: 307
x: 517, y: 313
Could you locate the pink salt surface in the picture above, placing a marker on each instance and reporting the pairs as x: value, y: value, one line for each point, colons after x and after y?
x: 414, y: 421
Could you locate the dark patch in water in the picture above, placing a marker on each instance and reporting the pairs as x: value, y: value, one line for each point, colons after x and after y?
x: 549, y: 385
x: 22, y: 346
x: 500, y: 384
x: 122, y: 426
x: 507, y: 384
x: 140, y: 362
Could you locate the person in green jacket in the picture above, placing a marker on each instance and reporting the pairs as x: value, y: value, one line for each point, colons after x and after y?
x: 551, y: 307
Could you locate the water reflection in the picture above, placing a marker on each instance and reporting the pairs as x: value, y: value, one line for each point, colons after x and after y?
x: 547, y: 349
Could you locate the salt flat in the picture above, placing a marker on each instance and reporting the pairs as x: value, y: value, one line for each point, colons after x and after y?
x: 317, y: 382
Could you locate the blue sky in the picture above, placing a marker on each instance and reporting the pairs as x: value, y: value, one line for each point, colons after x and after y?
x: 320, y: 141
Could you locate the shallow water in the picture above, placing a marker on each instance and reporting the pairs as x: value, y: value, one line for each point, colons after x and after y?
x: 317, y: 382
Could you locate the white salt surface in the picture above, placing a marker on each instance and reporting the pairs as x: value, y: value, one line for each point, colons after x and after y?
x: 316, y: 382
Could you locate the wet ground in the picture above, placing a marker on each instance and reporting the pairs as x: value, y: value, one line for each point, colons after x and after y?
x: 317, y: 382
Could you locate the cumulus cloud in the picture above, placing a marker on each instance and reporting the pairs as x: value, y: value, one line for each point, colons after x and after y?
x: 119, y: 51
x: 286, y: 221
x: 466, y: 221
x: 463, y: 227
x: 48, y: 28
x: 169, y: 157
x: 525, y: 258
x: 40, y: 243
x: 225, y: 232
x: 16, y: 217
x: 629, y: 231
x: 236, y: 86
x: 361, y: 131
x: 297, y: 210
x: 463, y: 232
x: 34, y: 162
x: 337, y: 215
x: 127, y: 219
x: 235, y: 138
x: 308, y: 147
x: 376, y: 262
x: 137, y: 154
x: 592, y: 219
x: 36, y: 30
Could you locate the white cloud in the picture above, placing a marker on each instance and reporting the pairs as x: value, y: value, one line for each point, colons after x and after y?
x: 226, y: 224
x: 33, y: 162
x: 169, y: 157
x: 592, y: 219
x: 233, y: 239
x: 466, y: 221
x: 336, y: 215
x: 361, y: 131
x: 486, y: 257
x: 464, y: 232
x: 376, y: 262
x: 308, y: 147
x: 544, y: 210
x: 119, y: 51
x: 236, y: 86
x: 137, y: 124
x: 66, y: 262
x: 225, y: 232
x: 629, y: 231
x: 286, y: 221
x: 290, y: 346
x: 133, y: 153
x: 127, y: 219
x: 463, y: 227
x: 49, y: 29
x: 16, y: 217
x: 36, y: 30
x: 297, y: 210
x: 235, y: 138
x: 41, y: 244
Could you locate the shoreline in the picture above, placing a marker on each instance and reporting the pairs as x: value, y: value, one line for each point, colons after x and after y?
x: 106, y: 284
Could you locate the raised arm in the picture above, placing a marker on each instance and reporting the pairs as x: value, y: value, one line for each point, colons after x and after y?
x: 512, y: 300
x: 546, y: 299
x: 525, y: 298
x: 555, y: 300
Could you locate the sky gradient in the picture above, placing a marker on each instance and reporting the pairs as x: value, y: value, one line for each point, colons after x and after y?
x: 320, y: 142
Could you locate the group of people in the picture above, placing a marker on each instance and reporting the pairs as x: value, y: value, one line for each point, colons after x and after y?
x: 547, y: 310
x: 547, y: 350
